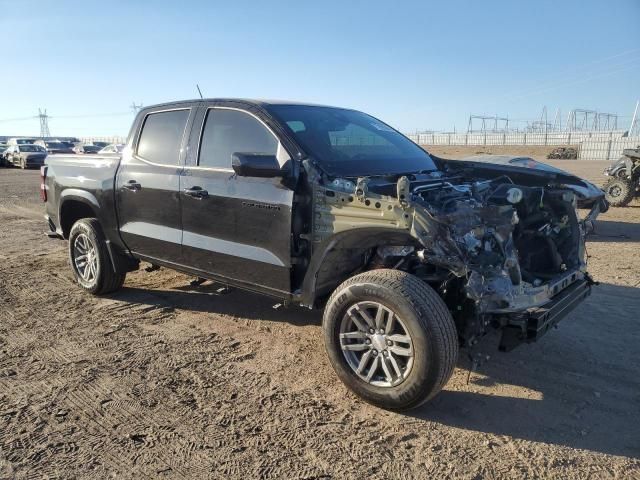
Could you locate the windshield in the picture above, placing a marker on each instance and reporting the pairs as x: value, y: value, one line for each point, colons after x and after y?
x: 31, y: 148
x: 56, y: 145
x: 24, y: 141
x: 351, y: 143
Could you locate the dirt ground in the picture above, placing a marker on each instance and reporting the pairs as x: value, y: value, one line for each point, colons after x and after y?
x: 164, y: 380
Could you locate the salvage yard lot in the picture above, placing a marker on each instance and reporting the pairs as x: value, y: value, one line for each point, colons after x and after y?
x: 163, y: 379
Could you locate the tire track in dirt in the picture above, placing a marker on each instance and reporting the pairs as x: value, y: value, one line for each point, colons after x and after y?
x: 159, y: 383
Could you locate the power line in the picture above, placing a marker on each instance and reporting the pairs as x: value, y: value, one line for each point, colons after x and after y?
x: 580, y: 70
x: 18, y: 119
x: 94, y: 115
x: 86, y: 115
x: 569, y: 82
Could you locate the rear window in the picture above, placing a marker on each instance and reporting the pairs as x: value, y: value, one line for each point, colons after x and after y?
x: 31, y: 148
x: 161, y: 137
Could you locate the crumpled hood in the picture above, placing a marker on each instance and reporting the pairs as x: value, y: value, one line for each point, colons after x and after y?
x: 526, y: 170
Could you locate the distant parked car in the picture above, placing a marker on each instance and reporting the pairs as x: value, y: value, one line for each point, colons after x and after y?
x: 100, y: 144
x: 112, y: 148
x: 3, y: 147
x: 25, y: 155
x: 21, y: 141
x: 86, y: 149
x: 55, y: 146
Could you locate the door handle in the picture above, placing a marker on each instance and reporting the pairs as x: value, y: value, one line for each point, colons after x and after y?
x: 196, y: 192
x: 132, y: 185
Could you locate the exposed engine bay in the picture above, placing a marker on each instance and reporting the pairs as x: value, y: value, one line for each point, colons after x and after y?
x: 493, y: 247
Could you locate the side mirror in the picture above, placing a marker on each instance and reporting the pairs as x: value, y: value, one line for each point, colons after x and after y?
x: 256, y: 165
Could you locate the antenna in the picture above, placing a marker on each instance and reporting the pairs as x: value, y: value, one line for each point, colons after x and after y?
x: 198, y: 87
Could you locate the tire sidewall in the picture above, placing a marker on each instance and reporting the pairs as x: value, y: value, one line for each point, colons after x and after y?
x: 80, y: 227
x: 423, y: 375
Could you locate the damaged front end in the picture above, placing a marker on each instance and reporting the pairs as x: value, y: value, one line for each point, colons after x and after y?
x: 504, y: 251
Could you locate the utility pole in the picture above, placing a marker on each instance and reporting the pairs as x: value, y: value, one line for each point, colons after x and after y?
x: 634, y: 120
x: 44, y: 123
x: 135, y: 108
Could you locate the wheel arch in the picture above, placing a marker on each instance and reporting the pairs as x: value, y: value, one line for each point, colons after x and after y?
x: 341, y: 255
x: 74, y: 205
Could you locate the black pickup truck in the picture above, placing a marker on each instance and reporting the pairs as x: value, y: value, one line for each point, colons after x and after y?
x: 411, y: 256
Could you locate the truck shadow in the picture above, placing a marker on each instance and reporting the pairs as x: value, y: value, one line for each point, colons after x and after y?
x: 612, y: 231
x: 578, y: 387
x: 235, y: 303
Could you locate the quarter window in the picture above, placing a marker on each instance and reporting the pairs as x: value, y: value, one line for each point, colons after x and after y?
x: 231, y: 131
x: 161, y: 137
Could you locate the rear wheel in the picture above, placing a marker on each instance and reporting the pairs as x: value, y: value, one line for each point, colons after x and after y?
x: 90, y: 260
x: 390, y: 338
x: 619, y: 192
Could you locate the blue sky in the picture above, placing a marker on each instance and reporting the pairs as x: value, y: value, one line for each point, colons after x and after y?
x: 415, y: 64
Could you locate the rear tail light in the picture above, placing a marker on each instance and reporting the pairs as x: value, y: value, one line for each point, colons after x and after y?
x: 43, y: 186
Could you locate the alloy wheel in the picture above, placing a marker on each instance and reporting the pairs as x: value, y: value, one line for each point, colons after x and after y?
x: 85, y: 258
x: 376, y: 344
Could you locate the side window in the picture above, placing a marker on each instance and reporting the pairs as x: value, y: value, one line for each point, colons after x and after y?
x: 231, y: 131
x: 161, y: 137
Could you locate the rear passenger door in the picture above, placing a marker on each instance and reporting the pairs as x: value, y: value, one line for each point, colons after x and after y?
x: 238, y: 227
x: 148, y: 186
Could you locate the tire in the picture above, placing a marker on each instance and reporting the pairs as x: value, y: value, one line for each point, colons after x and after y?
x: 418, y: 310
x: 619, y: 192
x: 86, y: 236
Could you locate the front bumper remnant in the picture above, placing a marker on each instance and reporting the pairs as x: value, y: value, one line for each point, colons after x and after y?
x: 529, y: 326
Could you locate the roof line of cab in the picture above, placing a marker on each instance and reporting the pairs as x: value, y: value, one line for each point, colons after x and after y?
x: 246, y: 101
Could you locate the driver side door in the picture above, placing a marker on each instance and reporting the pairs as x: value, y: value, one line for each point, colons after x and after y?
x: 237, y: 228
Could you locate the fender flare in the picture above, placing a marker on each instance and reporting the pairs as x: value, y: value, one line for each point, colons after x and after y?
x: 81, y: 196
x: 120, y: 262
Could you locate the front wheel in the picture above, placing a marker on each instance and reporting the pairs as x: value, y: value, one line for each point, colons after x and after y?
x: 90, y: 260
x: 390, y: 338
x: 619, y: 192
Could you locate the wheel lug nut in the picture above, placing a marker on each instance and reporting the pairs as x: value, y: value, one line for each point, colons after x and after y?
x: 375, y: 352
x: 367, y: 341
x: 389, y: 342
x: 372, y: 331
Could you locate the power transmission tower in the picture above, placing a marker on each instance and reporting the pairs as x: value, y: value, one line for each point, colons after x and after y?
x: 488, y: 123
x: 44, y: 123
x: 580, y: 119
x: 135, y: 108
x: 557, y: 121
x: 542, y: 125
